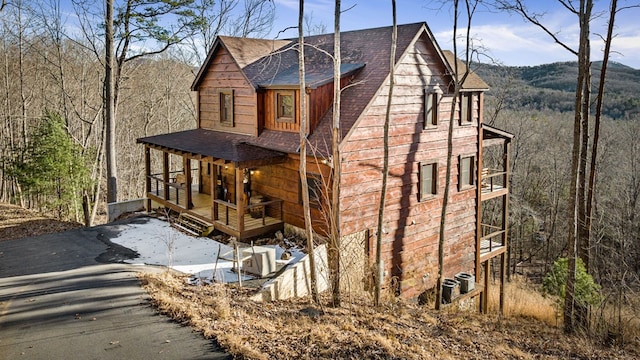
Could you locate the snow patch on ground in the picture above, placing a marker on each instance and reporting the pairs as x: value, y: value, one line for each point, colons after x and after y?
x: 160, y: 244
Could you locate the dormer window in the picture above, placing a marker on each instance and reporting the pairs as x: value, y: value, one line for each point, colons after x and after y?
x: 285, y: 107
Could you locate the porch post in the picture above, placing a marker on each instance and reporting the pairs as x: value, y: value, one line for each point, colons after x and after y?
x: 485, y: 298
x: 213, y: 174
x: 478, y: 265
x: 165, y: 174
x: 187, y: 173
x: 503, y: 265
x: 147, y: 170
x: 240, y: 198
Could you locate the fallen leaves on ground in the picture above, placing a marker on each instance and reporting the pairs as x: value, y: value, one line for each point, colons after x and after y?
x: 399, y: 330
x: 17, y: 222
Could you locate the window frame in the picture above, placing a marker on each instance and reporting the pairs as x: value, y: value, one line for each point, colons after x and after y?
x: 279, y: 113
x: 466, y: 108
x: 222, y: 94
x: 432, y: 100
x: 464, y: 184
x: 425, y: 195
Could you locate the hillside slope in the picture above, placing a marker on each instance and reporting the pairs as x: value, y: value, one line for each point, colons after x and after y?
x: 552, y: 87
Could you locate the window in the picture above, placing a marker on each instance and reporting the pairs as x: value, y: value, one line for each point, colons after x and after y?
x: 431, y: 101
x: 466, y: 108
x: 285, y: 107
x: 428, y: 179
x: 314, y: 187
x: 466, y: 172
x: 226, y: 107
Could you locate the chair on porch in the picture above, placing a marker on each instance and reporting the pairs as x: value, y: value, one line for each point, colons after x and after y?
x: 181, y: 179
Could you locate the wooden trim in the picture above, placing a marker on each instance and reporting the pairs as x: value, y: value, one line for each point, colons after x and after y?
x: 223, y: 92
x: 165, y: 173
x: 434, y: 179
x: 240, y: 198
x: 279, y: 114
x: 431, y: 108
x: 188, y: 180
x: 472, y: 172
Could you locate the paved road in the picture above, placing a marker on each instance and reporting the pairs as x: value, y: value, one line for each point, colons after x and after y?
x: 59, y: 299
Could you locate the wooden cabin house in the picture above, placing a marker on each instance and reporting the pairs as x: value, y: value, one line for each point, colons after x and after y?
x: 239, y: 168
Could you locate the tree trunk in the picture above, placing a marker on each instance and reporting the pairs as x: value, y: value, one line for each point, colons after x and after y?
x: 112, y: 173
x: 337, y: 164
x: 303, y: 157
x: 378, y: 276
x: 576, y: 195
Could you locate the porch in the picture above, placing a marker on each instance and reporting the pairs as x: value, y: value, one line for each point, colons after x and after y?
x: 218, y: 190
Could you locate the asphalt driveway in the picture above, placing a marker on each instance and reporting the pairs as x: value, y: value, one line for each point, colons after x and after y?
x: 65, y: 296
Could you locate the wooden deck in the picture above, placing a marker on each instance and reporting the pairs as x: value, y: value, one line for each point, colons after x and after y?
x: 227, y: 216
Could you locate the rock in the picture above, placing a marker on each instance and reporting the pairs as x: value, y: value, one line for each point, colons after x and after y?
x: 285, y: 256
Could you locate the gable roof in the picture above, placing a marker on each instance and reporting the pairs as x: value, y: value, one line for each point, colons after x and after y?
x: 473, y: 81
x: 244, y: 51
x: 364, y: 54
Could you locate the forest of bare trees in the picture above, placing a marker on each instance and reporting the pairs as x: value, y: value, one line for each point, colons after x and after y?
x: 52, y: 65
x: 53, y: 61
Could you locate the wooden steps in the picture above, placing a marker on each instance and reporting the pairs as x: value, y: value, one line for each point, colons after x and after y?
x: 192, y: 225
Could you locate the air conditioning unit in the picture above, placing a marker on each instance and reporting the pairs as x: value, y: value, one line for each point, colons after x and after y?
x: 259, y: 260
x: 467, y: 282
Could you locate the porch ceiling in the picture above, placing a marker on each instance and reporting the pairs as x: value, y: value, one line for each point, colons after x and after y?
x: 214, y: 144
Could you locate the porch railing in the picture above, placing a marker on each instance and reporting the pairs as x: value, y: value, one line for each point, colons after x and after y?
x: 493, y: 179
x: 489, y: 232
x: 157, y: 185
x: 226, y: 212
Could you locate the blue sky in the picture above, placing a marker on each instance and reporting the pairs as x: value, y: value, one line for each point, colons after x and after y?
x: 507, y: 38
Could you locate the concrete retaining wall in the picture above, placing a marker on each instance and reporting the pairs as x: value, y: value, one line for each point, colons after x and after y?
x: 295, y: 281
x: 114, y: 210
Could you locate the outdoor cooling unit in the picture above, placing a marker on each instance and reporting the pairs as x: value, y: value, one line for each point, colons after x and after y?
x: 259, y: 260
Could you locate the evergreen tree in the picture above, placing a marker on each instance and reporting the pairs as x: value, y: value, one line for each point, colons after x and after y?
x: 54, y: 171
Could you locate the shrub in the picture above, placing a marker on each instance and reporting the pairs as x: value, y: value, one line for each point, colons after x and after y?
x: 587, y: 292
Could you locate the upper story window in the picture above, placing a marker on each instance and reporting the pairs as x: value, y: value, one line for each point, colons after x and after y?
x: 285, y: 106
x: 466, y: 108
x: 431, y: 101
x: 466, y: 171
x: 226, y: 107
x: 428, y: 179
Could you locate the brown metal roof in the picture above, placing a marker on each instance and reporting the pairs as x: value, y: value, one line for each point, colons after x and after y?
x: 215, y: 144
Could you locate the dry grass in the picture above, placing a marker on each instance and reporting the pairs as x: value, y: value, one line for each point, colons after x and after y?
x: 399, y: 330
x: 523, y: 300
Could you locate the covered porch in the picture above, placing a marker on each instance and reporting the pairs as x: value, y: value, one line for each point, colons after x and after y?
x: 209, y: 175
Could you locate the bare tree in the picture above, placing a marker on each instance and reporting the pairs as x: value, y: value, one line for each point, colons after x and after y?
x: 110, y: 107
x: 576, y: 245
x: 458, y: 81
x: 385, y: 166
x: 336, y: 162
x: 303, y: 156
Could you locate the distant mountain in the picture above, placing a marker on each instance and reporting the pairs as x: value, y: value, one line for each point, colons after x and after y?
x: 552, y: 87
